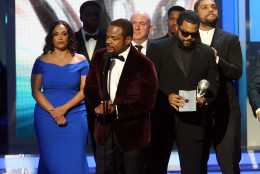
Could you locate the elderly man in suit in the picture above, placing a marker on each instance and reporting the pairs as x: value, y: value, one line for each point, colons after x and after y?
x: 254, y: 88
x: 127, y: 89
x: 181, y: 63
x: 89, y: 39
x: 142, y: 27
x: 225, y: 122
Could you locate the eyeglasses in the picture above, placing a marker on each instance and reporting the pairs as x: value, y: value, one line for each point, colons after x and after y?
x: 186, y: 34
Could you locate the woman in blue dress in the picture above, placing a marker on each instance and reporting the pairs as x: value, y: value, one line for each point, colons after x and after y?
x: 58, y: 78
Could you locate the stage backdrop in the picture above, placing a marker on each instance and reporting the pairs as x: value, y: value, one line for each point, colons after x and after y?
x: 32, y: 20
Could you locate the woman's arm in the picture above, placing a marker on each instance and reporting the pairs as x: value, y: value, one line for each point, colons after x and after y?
x: 36, y: 84
x: 61, y: 110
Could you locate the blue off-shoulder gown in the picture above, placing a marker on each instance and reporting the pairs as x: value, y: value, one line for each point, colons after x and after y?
x: 62, y: 149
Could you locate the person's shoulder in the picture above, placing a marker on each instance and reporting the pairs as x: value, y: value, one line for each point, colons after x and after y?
x: 45, y: 57
x: 78, y: 32
x: 79, y: 57
x: 100, y: 33
x: 225, y: 33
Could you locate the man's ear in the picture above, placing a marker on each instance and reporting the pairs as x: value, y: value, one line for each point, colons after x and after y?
x: 150, y: 28
x: 128, y: 40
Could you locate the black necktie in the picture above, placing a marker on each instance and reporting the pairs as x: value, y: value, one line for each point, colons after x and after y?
x: 139, y: 47
x: 87, y: 37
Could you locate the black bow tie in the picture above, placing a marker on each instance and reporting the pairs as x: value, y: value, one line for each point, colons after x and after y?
x: 119, y: 58
x: 139, y: 47
x: 87, y: 36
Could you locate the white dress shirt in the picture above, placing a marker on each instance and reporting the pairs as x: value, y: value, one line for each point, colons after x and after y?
x: 206, y: 37
x: 114, y: 73
x: 144, y: 44
x: 90, y: 44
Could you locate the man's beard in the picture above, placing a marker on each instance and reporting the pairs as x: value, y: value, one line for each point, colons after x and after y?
x: 187, y: 47
x: 212, y: 22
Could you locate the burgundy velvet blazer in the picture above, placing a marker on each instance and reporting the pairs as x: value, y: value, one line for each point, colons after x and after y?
x: 135, y: 98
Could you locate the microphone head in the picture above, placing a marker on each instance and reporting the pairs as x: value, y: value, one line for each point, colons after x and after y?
x: 203, y: 85
x: 202, y: 88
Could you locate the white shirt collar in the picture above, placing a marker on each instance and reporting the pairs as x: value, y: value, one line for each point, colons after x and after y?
x: 125, y: 53
x: 206, y: 36
x: 144, y: 44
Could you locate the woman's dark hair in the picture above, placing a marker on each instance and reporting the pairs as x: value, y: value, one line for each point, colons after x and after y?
x: 49, y: 46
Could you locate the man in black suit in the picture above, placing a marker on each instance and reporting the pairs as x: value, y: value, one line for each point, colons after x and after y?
x: 129, y: 94
x: 173, y: 15
x: 142, y: 26
x: 89, y: 39
x: 181, y: 63
x: 225, y: 132
x: 254, y: 88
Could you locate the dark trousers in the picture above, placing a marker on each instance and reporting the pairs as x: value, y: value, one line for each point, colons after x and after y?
x: 223, y: 132
x: 190, y: 146
x: 157, y: 154
x: 117, y: 160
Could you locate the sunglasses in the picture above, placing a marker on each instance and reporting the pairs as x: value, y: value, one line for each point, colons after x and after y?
x: 186, y: 34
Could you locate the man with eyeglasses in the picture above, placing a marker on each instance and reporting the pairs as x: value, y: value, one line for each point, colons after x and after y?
x: 181, y: 63
x: 224, y: 125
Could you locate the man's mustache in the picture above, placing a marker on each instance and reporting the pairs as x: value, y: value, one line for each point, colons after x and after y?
x: 211, y: 14
x: 110, y: 46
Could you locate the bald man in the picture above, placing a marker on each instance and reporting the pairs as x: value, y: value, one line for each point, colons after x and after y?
x: 141, y: 22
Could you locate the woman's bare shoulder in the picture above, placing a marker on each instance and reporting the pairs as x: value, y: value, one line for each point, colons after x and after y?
x: 44, y: 57
x: 79, y: 57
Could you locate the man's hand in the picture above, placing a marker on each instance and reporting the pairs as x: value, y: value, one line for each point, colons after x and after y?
x: 216, y: 54
x: 202, y: 101
x: 258, y: 116
x: 108, y: 104
x: 176, y: 101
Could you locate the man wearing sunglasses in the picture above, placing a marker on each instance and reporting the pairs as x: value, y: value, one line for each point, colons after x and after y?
x: 224, y: 124
x: 181, y: 63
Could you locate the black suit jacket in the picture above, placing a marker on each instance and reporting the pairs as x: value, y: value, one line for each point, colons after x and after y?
x: 172, y: 77
x: 81, y: 48
x: 164, y: 37
x: 230, y: 60
x: 230, y: 68
x: 254, y: 87
x: 135, y: 98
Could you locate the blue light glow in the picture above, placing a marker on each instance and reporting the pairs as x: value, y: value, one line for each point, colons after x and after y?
x: 6, y: 19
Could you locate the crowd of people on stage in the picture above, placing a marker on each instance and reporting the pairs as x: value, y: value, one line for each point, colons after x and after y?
x: 129, y: 93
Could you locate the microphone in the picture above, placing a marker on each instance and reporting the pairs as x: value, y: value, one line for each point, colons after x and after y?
x: 202, y: 87
x: 107, y: 56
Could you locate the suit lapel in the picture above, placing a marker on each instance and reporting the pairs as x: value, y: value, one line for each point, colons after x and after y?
x: 216, y: 38
x: 174, y: 50
x: 81, y: 46
x: 126, y: 73
x: 101, y: 40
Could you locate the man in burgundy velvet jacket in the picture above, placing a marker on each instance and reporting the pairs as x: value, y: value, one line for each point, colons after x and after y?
x: 130, y: 94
